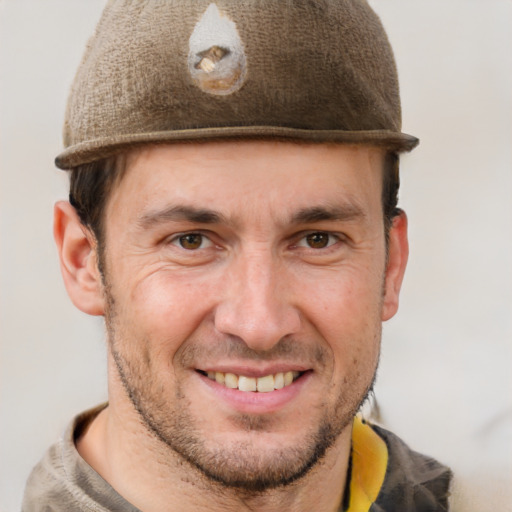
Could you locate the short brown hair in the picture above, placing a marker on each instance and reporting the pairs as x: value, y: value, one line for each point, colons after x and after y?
x: 390, y: 187
x: 90, y: 187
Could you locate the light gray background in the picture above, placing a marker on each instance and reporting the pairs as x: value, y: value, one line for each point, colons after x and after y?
x: 445, y: 381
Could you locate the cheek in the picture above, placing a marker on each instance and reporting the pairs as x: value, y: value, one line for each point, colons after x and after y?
x: 348, y: 297
x: 165, y: 308
x: 346, y: 311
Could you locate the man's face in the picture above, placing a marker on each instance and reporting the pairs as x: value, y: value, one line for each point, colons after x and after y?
x: 240, y: 264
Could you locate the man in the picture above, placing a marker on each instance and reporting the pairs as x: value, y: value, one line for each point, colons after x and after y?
x: 232, y: 215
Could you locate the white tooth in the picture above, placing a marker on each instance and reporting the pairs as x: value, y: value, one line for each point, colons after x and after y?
x: 295, y: 375
x: 288, y: 378
x: 246, y: 383
x: 219, y: 377
x: 278, y: 381
x: 211, y: 375
x: 231, y: 381
x: 265, y: 384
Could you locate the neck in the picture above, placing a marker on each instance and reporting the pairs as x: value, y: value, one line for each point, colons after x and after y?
x: 152, y: 477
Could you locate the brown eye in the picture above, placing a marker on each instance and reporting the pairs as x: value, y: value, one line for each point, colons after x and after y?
x: 318, y: 240
x: 191, y: 241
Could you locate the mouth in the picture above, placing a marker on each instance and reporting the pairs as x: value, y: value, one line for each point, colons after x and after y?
x: 264, y: 384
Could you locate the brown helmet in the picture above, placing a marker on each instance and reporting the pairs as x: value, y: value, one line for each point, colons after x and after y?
x: 169, y: 70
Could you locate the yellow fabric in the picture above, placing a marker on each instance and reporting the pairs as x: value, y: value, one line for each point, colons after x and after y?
x: 369, y: 463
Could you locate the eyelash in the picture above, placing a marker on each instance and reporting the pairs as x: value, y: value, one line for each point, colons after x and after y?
x: 332, y: 239
x: 178, y: 239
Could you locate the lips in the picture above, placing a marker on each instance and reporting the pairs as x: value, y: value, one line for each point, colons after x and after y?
x: 264, y: 384
x: 252, y: 390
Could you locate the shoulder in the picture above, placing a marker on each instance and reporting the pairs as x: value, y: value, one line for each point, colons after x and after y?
x: 47, y: 487
x: 413, y: 481
x: 63, y: 482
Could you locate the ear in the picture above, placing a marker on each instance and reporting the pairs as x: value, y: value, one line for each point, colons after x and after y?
x: 398, y: 253
x: 78, y: 260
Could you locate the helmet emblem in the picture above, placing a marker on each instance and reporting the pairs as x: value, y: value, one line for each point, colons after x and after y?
x: 216, y: 58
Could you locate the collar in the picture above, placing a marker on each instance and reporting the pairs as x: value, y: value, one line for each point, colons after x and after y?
x: 369, y: 465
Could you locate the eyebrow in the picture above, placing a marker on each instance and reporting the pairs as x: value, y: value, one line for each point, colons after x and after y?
x: 180, y: 213
x: 347, y: 212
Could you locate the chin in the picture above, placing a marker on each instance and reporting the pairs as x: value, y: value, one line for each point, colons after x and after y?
x: 256, y: 461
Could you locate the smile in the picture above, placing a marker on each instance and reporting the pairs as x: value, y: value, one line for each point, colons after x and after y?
x: 264, y: 384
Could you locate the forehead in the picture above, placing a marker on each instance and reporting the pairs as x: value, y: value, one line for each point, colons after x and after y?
x: 245, y: 176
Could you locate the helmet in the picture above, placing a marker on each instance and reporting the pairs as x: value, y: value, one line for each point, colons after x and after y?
x: 176, y: 70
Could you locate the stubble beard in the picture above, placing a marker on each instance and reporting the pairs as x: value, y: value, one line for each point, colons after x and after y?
x: 240, y: 465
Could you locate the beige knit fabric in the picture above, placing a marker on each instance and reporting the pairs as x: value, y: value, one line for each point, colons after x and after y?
x: 165, y: 70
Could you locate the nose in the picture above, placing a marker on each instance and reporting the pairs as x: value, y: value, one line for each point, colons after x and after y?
x: 257, y: 303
